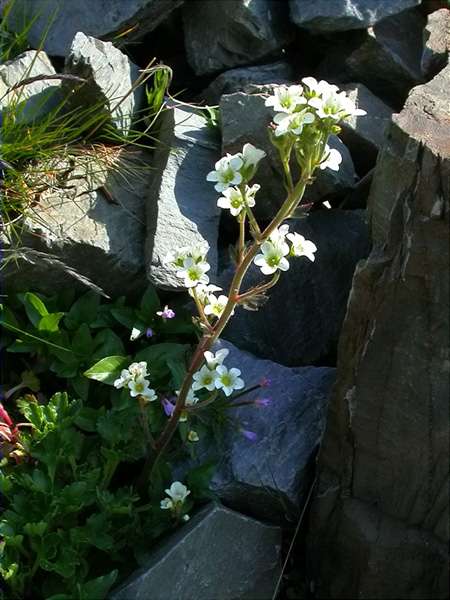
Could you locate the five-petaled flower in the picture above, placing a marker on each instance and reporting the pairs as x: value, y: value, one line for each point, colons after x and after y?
x: 302, y: 247
x: 332, y: 159
x: 235, y: 201
x: 228, y: 380
x: 293, y: 123
x: 214, y: 360
x: 193, y: 272
x: 176, y: 497
x: 272, y: 258
x: 227, y: 172
x: 215, y: 305
x: 205, y: 378
x: 286, y: 99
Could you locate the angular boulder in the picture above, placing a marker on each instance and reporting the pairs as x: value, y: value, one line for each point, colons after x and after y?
x: 181, y: 205
x: 436, y: 43
x: 227, y: 33
x: 364, y: 135
x: 110, y: 77
x: 269, y: 477
x: 54, y: 23
x: 245, y: 118
x: 342, y: 15
x: 301, y: 322
x: 219, y: 554
x: 236, y: 80
x: 380, y: 520
x: 387, y: 57
x: 33, y: 100
x: 88, y: 222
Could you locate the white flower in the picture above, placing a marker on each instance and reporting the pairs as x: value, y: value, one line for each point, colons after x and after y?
x: 278, y: 238
x: 199, y: 251
x: 177, y: 494
x: 214, y: 360
x: 177, y: 257
x: 292, y: 123
x: 205, y: 378
x: 286, y: 99
x: 193, y: 272
x: 193, y: 436
x: 202, y: 291
x: 272, y: 258
x: 140, y: 387
x: 228, y: 380
x: 215, y: 305
x: 301, y: 246
x: 138, y: 369
x: 226, y: 172
x: 317, y: 88
x: 190, y: 400
x: 233, y: 199
x: 123, y: 380
x: 332, y: 159
x: 251, y: 156
x: 336, y: 106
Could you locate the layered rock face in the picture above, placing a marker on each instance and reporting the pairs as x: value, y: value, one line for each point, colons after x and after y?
x: 379, y: 520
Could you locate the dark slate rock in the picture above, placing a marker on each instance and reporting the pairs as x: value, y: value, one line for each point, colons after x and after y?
x: 245, y: 118
x: 236, y: 80
x: 364, y: 136
x: 436, y: 46
x: 181, y: 205
x: 270, y: 477
x: 382, y: 504
x: 98, y: 18
x: 34, y: 100
x: 89, y: 227
x: 301, y: 322
x: 387, y: 59
x: 219, y: 554
x: 342, y: 15
x: 227, y: 33
x: 110, y: 77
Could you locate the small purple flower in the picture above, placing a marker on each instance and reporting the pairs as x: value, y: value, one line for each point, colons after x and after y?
x: 149, y: 332
x: 263, y: 402
x: 250, y: 435
x: 167, y: 313
x: 168, y: 407
x: 265, y: 382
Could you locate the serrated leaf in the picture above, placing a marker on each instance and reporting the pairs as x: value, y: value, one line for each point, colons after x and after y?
x: 108, y: 369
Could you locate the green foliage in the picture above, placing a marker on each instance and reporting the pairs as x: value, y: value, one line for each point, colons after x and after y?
x: 77, y: 518
x: 157, y: 90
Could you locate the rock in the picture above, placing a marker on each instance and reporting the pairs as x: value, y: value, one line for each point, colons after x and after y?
x: 245, y: 118
x: 88, y: 222
x: 34, y: 100
x: 301, y: 322
x: 382, y: 505
x: 236, y: 80
x: 98, y: 18
x: 364, y: 136
x: 219, y: 554
x: 226, y: 33
x: 342, y: 15
x: 110, y: 77
x: 436, y: 43
x: 270, y: 477
x: 181, y: 206
x: 387, y: 59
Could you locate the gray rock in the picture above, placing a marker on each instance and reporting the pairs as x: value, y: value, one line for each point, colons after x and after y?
x: 382, y: 503
x: 110, y: 77
x: 34, y: 100
x: 387, y: 60
x: 99, y: 18
x: 226, y: 33
x: 436, y: 47
x: 181, y: 206
x: 90, y: 222
x: 236, y: 80
x: 218, y: 555
x: 364, y: 136
x: 245, y: 118
x: 301, y: 322
x: 342, y: 15
x: 269, y: 478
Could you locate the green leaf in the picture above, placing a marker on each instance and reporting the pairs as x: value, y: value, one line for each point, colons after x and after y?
x: 30, y: 381
x: 198, y: 479
x: 84, y: 310
x: 34, y: 307
x: 107, y: 343
x: 124, y: 315
x: 82, y: 343
x: 178, y: 371
x: 108, y: 369
x: 81, y: 386
x: 149, y: 304
x: 159, y: 355
x: 97, y: 589
x: 50, y: 323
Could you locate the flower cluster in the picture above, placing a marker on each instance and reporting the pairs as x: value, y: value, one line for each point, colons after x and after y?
x: 214, y: 375
x: 313, y: 103
x: 275, y: 250
x: 135, y: 379
x: 191, y: 264
x: 235, y: 169
x: 175, y: 500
